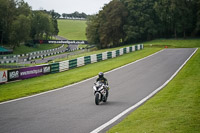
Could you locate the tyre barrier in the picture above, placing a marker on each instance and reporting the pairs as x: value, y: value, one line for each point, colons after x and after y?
x: 30, y: 72
x: 32, y: 55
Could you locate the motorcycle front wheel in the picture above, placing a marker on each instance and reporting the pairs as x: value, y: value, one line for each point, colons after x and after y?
x: 97, y: 99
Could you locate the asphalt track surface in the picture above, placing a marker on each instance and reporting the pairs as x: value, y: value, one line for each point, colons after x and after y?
x: 71, y: 46
x: 72, y: 109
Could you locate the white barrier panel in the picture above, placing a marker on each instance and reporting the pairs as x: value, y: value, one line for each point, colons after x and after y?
x: 63, y: 66
x: 3, y: 76
x: 121, y: 51
x: 127, y: 49
x: 133, y: 48
x: 80, y: 61
x: 93, y: 58
x: 113, y: 54
x: 138, y: 46
x: 104, y: 55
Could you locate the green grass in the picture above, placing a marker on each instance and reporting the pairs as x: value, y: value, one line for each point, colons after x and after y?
x: 72, y: 29
x: 24, y: 49
x: 174, y: 43
x: 82, y: 46
x: 175, y: 109
x: 38, y: 84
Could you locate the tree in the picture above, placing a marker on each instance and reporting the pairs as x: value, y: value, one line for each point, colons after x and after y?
x: 92, y: 30
x: 177, y: 17
x: 75, y: 15
x: 23, y: 8
x: 7, y: 13
x: 112, y: 19
x: 20, y: 30
x: 55, y: 16
x: 18, y: 23
x: 197, y: 28
x: 141, y: 23
x: 42, y: 25
x: 106, y: 28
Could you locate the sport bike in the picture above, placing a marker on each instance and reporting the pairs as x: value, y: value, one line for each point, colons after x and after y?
x: 100, y: 92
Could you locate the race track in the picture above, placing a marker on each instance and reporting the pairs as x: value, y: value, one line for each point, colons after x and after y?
x: 72, y: 109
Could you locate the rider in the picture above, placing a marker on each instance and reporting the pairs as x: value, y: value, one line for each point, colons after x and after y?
x: 102, y: 79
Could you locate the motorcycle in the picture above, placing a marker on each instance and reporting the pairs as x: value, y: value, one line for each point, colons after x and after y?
x: 100, y: 92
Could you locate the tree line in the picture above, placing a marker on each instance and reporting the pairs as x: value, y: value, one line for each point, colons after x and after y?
x: 18, y: 23
x: 74, y: 15
x: 128, y: 21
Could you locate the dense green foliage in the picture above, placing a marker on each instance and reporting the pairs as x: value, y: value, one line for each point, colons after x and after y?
x: 18, y: 23
x: 127, y: 21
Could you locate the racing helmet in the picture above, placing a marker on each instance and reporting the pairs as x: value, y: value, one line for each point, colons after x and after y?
x: 101, y: 75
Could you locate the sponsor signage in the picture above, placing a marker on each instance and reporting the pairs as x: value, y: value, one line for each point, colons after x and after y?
x: 30, y: 72
x: 13, y: 75
x: 46, y: 69
x: 3, y: 76
x: 61, y: 41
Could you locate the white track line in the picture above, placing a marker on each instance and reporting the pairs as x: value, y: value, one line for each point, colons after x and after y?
x: 143, y: 100
x: 76, y: 83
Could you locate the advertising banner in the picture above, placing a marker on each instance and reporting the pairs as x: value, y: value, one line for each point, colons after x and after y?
x: 13, y: 75
x: 30, y: 72
x: 61, y: 41
x: 46, y: 69
x: 3, y: 76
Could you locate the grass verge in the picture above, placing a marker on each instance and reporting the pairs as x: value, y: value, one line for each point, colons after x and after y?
x: 72, y: 29
x: 22, y: 49
x: 174, y: 43
x: 48, y: 82
x: 175, y: 109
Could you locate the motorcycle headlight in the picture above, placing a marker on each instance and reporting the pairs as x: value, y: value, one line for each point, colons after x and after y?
x: 94, y: 87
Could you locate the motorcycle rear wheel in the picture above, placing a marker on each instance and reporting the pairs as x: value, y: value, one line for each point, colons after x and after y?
x: 106, y: 97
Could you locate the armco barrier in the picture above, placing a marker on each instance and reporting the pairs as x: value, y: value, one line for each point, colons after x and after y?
x: 109, y: 55
x: 30, y: 72
x: 113, y: 54
x: 124, y: 51
x: 93, y: 58
x: 121, y: 52
x: 87, y: 60
x: 54, y: 67
x: 3, y: 76
x: 13, y: 74
x: 130, y: 49
x: 104, y: 55
x: 117, y: 53
x: 141, y: 46
x: 32, y: 55
x: 72, y: 63
x: 136, y: 47
x: 99, y: 57
x: 63, y: 66
x: 80, y: 61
